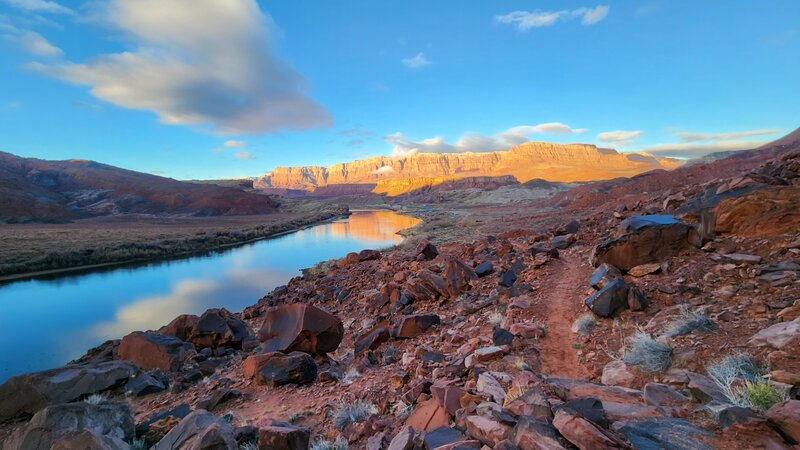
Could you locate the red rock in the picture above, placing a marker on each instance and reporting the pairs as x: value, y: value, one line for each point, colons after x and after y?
x: 425, y: 251
x: 283, y: 436
x: 786, y: 416
x: 767, y: 212
x: 219, y: 328
x: 181, y: 327
x: 530, y: 434
x: 457, y: 277
x: 584, y: 434
x: 414, y: 325
x: 447, y: 395
x: 489, y: 431
x: 368, y: 255
x: 155, y: 351
x: 528, y: 330
x: 779, y: 336
x: 277, y: 369
x: 644, y: 269
x: 428, y: 416
x: 616, y: 373
x: 300, y: 327
x: 372, y: 339
x: 404, y: 440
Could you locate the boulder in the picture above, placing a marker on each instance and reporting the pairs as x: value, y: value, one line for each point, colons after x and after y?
x: 200, y: 430
x: 507, y: 278
x: 656, y: 394
x: 704, y: 389
x: 425, y: 251
x: 649, y: 239
x: 584, y: 434
x: 531, y: 434
x: 414, y: 325
x: 368, y: 255
x: 181, y: 327
x: 484, y: 269
x: 300, y: 327
x: 51, y: 424
x: 277, y: 369
x: 501, y: 336
x: 448, y: 396
x: 26, y: 394
x: 766, y: 212
x: 616, y: 373
x: 143, y: 384
x: 562, y: 242
x: 404, y: 440
x: 610, y: 300
x: 603, y: 275
x: 570, y: 227
x: 372, y: 339
x: 86, y: 440
x: 283, y: 436
x: 666, y: 433
x: 532, y: 403
x: 219, y: 328
x: 637, y: 301
x: 588, y: 408
x: 786, y: 416
x: 779, y: 336
x: 457, y: 277
x: 442, y: 437
x: 487, y: 430
x: 150, y: 350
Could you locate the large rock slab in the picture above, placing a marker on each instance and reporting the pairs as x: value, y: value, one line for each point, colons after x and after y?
x: 531, y: 434
x: 277, y: 369
x: 649, y: 239
x: 666, y: 433
x: 786, y: 416
x: 51, y: 424
x: 200, y: 430
x: 768, y: 212
x: 584, y: 434
x: 300, y: 327
x: 86, y: 440
x: 155, y: 351
x: 181, y: 327
x: 487, y: 430
x: 26, y: 394
x: 610, y: 300
x: 781, y: 335
x: 283, y: 436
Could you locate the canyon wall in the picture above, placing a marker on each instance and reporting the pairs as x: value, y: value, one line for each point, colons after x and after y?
x: 551, y: 162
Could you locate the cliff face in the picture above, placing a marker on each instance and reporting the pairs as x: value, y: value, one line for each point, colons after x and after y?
x: 551, y: 162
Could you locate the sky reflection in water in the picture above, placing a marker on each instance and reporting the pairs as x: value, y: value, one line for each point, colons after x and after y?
x: 45, y: 323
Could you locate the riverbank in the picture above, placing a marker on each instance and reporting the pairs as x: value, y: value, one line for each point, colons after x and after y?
x: 48, y: 249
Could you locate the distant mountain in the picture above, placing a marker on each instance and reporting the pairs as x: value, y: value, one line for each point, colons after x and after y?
x: 35, y: 190
x: 395, y: 176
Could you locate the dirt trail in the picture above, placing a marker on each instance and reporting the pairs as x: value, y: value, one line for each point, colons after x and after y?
x: 564, y: 291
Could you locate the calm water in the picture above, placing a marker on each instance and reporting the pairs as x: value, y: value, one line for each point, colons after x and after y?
x: 45, y: 323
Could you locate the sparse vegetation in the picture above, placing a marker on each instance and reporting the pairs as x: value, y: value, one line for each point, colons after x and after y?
x: 495, y: 319
x: 96, y: 399
x: 229, y: 416
x: 139, y: 444
x: 350, y: 376
x: 354, y: 412
x: 687, y: 322
x: 740, y: 378
x: 248, y: 446
x: 337, y: 444
x: 583, y: 325
x: 520, y: 364
x: 647, y: 354
x: 319, y: 268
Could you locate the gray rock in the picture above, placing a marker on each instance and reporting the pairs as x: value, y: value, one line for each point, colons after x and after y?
x: 610, y: 300
x: 28, y: 393
x: 603, y: 275
x: 200, y: 430
x: 51, y: 424
x: 665, y: 434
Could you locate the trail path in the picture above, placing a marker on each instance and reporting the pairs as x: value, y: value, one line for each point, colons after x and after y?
x: 563, y: 302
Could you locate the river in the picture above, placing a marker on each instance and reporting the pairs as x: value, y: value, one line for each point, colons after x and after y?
x: 48, y: 322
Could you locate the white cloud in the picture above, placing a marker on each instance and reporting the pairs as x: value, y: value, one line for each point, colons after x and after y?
x: 525, y: 20
x: 243, y: 155
x: 234, y: 144
x: 36, y: 44
x: 402, y: 146
x: 618, y: 136
x: 39, y: 6
x: 417, y: 61
x: 198, y: 63
x: 383, y: 170
x: 687, y: 136
x: 692, y: 150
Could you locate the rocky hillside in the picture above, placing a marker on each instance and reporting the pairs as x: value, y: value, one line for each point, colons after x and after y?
x: 35, y: 190
x: 394, y: 176
x: 661, y: 319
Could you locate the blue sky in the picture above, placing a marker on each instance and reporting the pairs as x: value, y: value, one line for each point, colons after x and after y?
x: 226, y: 88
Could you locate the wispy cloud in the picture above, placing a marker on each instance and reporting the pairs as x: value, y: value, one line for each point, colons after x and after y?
x: 618, y: 136
x: 243, y: 155
x: 36, y: 44
x: 39, y: 6
x: 417, y: 61
x: 234, y: 144
x: 688, y: 136
x: 206, y: 63
x: 525, y: 20
x: 402, y: 146
x: 693, y: 150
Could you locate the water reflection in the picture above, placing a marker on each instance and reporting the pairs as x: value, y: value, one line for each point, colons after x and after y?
x: 45, y: 323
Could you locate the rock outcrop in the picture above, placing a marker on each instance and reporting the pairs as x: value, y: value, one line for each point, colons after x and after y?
x: 299, y: 327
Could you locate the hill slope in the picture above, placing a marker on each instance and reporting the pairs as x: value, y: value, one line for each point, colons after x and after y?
x: 393, y: 176
x: 35, y: 190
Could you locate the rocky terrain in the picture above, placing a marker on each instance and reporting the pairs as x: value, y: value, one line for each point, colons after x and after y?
x: 656, y: 312
x: 39, y: 191
x: 394, y: 176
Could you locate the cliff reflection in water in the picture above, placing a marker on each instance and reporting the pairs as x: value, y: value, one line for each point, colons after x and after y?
x: 372, y: 226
